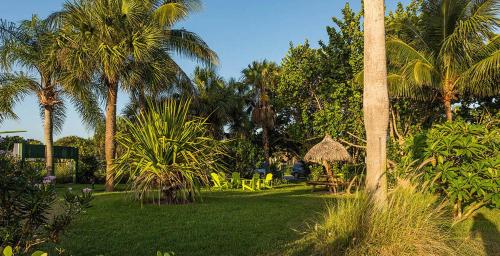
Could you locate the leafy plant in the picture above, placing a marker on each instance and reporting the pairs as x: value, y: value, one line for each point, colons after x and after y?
x: 8, y: 251
x: 167, y: 150
x: 26, y: 204
x: 243, y: 156
x: 464, y: 164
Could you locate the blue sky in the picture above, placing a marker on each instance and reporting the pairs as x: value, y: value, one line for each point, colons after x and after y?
x: 239, y: 31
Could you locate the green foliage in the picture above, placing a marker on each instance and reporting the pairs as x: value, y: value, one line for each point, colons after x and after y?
x: 165, y: 253
x: 412, y: 223
x: 316, y: 93
x: 89, y: 160
x: 243, y: 157
x: 27, y: 216
x: 7, y: 142
x: 167, y: 150
x: 464, y: 164
x: 8, y: 251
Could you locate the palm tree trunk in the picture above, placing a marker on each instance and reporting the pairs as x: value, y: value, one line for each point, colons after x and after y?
x: 375, y: 100
x: 49, y: 139
x: 447, y: 108
x: 142, y: 100
x: 265, y: 142
x: 110, y: 143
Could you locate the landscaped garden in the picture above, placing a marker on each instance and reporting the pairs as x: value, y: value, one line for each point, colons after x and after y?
x: 381, y: 139
x: 226, y: 223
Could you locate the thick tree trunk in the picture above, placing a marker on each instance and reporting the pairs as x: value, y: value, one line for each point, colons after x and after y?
x: 110, y: 143
x: 265, y: 142
x: 375, y: 100
x: 49, y: 139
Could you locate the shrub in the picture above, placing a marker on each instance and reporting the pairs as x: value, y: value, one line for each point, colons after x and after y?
x: 460, y: 161
x: 243, y: 157
x: 168, y: 151
x: 88, y: 157
x: 26, y: 201
x: 412, y: 223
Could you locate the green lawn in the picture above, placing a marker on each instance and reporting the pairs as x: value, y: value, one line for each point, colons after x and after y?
x: 226, y: 223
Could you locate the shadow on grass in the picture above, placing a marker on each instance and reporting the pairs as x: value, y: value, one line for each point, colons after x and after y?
x: 488, y: 232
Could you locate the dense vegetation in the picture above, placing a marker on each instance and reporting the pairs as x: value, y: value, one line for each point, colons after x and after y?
x: 427, y: 114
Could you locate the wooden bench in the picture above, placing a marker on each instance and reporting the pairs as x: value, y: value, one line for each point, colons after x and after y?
x: 332, y: 182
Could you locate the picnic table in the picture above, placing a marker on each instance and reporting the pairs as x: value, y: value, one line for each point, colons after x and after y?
x: 332, y: 182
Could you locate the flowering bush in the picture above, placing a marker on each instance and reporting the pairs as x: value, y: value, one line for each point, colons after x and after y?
x: 26, y: 201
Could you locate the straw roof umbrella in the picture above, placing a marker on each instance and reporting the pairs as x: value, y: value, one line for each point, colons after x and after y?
x: 328, y: 150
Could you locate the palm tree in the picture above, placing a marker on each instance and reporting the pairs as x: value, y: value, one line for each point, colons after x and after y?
x: 375, y: 99
x: 30, y: 46
x: 262, y: 76
x: 212, y: 100
x: 453, y: 51
x: 106, y: 39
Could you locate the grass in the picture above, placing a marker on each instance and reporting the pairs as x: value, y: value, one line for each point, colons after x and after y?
x: 225, y: 223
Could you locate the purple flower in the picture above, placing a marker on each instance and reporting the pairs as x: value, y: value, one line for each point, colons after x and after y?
x: 87, y: 190
x: 49, y: 179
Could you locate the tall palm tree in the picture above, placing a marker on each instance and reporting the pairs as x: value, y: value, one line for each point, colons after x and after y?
x: 375, y: 99
x: 106, y: 39
x: 262, y: 76
x: 453, y: 51
x: 31, y: 46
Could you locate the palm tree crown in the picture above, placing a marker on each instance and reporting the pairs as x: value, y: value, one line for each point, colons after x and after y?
x: 262, y: 76
x: 32, y: 45
x: 117, y: 42
x: 453, y: 51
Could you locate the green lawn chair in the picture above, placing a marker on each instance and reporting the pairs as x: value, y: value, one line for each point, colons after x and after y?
x: 267, y: 182
x: 252, y: 184
x: 235, y: 180
x: 219, y: 182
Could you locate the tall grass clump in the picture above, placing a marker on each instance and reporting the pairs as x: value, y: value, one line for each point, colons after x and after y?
x: 168, y: 153
x: 412, y: 223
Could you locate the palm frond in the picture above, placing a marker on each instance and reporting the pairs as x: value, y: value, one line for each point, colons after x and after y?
x: 189, y: 44
x: 169, y: 12
x: 483, y: 78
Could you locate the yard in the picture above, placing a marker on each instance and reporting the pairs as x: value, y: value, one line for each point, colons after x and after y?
x: 225, y: 223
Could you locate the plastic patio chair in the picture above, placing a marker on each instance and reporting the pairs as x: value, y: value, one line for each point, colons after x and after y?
x: 268, y: 181
x: 218, y: 183
x: 252, y: 184
x: 235, y: 180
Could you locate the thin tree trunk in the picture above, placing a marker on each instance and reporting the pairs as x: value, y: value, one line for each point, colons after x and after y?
x: 142, y: 100
x: 330, y: 174
x: 110, y: 143
x: 375, y: 100
x: 265, y: 142
x: 49, y: 139
x: 447, y: 108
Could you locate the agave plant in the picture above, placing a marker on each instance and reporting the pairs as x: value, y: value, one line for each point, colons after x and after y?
x: 169, y: 152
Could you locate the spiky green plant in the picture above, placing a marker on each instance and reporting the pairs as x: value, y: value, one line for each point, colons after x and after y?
x: 168, y: 151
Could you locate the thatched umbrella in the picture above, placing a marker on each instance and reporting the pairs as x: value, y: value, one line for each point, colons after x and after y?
x: 328, y: 150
